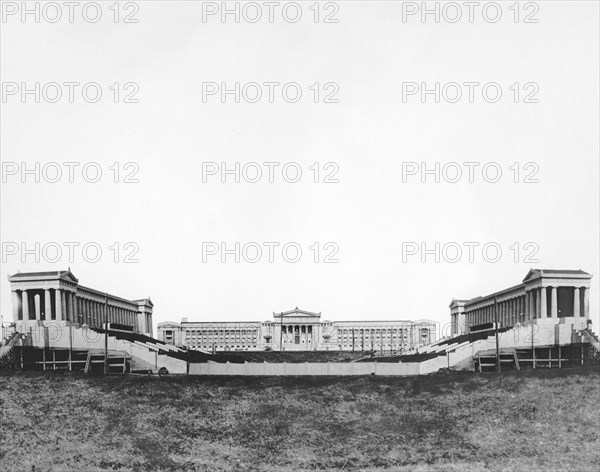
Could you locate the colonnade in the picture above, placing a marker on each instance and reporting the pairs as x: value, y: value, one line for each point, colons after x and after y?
x: 533, y: 304
x: 66, y: 305
x: 299, y: 333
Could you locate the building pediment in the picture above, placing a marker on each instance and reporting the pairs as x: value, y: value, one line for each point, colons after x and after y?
x: 296, y: 313
x: 456, y: 303
x: 535, y: 274
x: 532, y: 275
x: 144, y: 301
x: 168, y: 324
x: 66, y: 275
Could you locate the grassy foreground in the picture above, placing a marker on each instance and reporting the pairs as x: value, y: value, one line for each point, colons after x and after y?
x: 546, y: 420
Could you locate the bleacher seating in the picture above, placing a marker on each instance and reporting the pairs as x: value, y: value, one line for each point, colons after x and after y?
x: 440, y: 348
x: 169, y: 350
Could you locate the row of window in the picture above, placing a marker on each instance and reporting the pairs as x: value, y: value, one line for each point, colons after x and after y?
x: 343, y: 331
x: 221, y: 331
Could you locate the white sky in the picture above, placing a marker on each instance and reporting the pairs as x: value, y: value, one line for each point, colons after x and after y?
x: 369, y: 134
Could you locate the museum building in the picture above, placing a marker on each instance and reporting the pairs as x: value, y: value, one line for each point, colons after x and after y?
x: 298, y: 330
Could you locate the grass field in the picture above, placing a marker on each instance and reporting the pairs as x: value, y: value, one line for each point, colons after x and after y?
x: 544, y: 420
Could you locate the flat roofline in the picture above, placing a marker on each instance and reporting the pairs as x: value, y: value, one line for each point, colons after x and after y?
x: 322, y: 322
x: 110, y: 295
x: 494, y: 294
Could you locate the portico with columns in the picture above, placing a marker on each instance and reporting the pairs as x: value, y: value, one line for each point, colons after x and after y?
x: 41, y: 297
x: 544, y: 296
x: 297, y: 330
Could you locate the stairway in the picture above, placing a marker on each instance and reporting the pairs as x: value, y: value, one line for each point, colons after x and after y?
x: 591, y: 337
x: 117, y: 363
x: 487, y: 362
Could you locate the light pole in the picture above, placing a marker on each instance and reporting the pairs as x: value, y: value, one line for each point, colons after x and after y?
x: 496, y: 329
x: 105, y: 333
x: 281, y: 332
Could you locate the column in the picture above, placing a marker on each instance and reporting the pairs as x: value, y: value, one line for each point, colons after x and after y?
x: 58, y: 305
x: 16, y: 305
x: 25, y: 298
x: 68, y: 306
x: 527, y: 306
x: 576, y: 304
x: 544, y: 303
x: 538, y: 303
x: 532, y: 314
x: 37, y: 302
x: 522, y: 308
x: 47, y: 305
x: 63, y: 297
x: 586, y: 301
x: 554, y: 302
x: 75, y: 314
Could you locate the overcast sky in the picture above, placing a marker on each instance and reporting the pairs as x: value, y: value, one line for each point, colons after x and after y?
x: 370, y: 135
